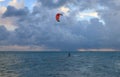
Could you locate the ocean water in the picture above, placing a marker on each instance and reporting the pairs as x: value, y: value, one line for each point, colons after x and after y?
x: 58, y: 64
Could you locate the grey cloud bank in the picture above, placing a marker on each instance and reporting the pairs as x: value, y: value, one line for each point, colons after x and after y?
x: 39, y: 28
x: 12, y: 11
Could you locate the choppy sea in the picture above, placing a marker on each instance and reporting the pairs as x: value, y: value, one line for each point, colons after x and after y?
x: 59, y: 64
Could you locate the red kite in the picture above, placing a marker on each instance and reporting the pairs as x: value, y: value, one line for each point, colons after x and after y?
x: 58, y: 17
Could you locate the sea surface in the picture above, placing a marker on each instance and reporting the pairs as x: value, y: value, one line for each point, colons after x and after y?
x: 59, y: 64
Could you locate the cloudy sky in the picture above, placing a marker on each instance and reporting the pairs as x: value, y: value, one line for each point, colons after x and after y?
x: 85, y: 25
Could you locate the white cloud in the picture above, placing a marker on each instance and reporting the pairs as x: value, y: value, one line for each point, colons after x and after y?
x: 17, y: 4
x: 87, y: 15
x: 80, y: 16
x: 9, y: 23
x: 91, y: 14
x: 64, y: 10
x: 2, y: 10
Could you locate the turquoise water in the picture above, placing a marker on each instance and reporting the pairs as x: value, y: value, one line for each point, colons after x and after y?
x: 58, y: 64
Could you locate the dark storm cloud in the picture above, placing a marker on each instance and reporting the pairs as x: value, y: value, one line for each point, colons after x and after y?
x: 4, y: 34
x: 113, y: 25
x: 12, y: 11
x: 39, y: 28
x: 62, y: 36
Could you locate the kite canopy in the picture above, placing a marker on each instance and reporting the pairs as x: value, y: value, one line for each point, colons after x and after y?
x: 58, y: 17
